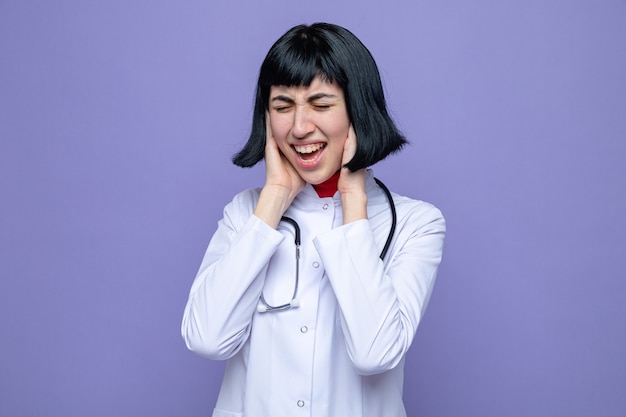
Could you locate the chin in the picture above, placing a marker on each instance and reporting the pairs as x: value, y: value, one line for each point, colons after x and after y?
x: 316, y: 179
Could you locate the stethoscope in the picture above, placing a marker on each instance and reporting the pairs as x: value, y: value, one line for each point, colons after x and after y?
x: 265, y: 307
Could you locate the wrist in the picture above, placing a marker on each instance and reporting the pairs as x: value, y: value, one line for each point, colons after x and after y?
x: 272, y: 204
x: 354, y: 206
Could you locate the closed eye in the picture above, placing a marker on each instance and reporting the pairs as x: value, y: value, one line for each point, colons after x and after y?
x: 282, y: 109
x: 282, y: 104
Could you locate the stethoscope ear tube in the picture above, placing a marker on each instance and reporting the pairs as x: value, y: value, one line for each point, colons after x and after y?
x: 296, y: 228
x: 394, y: 217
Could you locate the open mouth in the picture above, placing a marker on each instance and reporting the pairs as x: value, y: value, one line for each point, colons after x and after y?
x: 309, y: 152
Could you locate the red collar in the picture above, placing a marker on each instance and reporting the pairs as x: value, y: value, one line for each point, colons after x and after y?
x: 328, y: 187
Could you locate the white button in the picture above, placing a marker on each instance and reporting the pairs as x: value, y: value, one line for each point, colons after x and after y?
x: 300, y: 403
x: 316, y: 264
x: 304, y: 329
x: 325, y: 206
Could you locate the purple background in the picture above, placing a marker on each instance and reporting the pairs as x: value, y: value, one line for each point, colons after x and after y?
x: 117, y: 122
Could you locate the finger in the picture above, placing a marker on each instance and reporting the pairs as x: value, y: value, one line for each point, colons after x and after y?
x: 272, y: 156
x: 349, y: 148
x: 268, y: 129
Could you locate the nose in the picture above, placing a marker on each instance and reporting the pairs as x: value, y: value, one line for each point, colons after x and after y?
x: 302, y: 123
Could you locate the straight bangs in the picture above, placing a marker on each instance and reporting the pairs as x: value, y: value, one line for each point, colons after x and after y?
x: 296, y: 61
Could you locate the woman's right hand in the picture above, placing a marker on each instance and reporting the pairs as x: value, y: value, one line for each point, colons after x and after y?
x: 282, y: 182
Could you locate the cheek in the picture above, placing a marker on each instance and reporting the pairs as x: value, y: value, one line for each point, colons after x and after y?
x: 339, y: 128
x: 280, y: 131
x: 279, y: 128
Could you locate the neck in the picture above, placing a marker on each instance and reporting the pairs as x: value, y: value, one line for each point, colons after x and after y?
x: 328, y: 187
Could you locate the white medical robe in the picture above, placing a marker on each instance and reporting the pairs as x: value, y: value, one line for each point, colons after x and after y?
x: 341, y: 352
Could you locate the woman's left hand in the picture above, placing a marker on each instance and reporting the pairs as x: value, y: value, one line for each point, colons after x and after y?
x: 351, y: 185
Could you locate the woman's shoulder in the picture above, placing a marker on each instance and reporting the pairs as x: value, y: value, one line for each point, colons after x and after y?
x: 415, y: 205
x: 243, y: 202
x: 417, y: 210
x: 247, y: 195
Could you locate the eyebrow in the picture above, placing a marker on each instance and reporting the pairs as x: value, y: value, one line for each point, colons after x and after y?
x: 310, y: 99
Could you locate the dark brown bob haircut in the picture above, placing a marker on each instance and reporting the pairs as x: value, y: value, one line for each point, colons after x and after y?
x: 333, y: 54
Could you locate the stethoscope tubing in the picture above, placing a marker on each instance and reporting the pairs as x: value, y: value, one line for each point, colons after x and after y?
x: 394, y: 217
x: 265, y: 307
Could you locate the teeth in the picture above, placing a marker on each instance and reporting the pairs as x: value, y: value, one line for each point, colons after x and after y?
x: 308, y: 148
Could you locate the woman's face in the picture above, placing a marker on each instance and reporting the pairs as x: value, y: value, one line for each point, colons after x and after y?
x: 310, y: 125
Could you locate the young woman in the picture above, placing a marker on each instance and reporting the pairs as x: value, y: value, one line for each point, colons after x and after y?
x: 313, y: 286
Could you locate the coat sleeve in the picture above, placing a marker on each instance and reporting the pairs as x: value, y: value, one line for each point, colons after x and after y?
x: 381, y: 306
x: 226, y: 290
